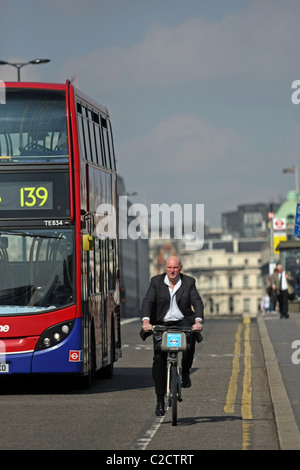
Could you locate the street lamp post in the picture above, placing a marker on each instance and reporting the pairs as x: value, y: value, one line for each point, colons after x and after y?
x: 294, y: 170
x: 19, y: 65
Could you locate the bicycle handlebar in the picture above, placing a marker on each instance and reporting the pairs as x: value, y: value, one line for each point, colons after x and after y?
x: 162, y: 328
x: 185, y: 329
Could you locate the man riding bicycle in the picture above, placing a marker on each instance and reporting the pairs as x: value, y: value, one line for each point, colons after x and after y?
x: 172, y: 300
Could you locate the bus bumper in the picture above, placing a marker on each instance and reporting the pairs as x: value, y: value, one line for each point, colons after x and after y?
x: 64, y: 358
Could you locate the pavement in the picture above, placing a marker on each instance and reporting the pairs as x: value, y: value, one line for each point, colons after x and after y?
x: 280, y: 340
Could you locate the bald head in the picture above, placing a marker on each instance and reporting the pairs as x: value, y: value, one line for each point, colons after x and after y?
x: 173, y: 267
x: 173, y: 259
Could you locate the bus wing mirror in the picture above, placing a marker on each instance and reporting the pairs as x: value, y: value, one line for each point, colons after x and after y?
x: 87, y: 242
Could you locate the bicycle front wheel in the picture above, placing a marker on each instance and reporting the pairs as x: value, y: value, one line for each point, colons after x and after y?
x: 174, y: 394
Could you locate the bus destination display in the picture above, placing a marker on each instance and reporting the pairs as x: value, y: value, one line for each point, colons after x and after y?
x: 36, y: 195
x: 29, y: 195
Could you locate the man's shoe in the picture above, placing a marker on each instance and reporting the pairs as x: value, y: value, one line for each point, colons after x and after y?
x: 160, y: 409
x: 186, y: 381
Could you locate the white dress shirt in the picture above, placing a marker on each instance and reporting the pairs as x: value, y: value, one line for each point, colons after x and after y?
x: 283, y: 281
x: 173, y: 314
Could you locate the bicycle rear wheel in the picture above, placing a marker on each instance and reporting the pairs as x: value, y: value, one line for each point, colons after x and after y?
x: 174, y: 394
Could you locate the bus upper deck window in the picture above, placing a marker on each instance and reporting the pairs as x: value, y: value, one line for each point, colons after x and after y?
x: 33, y: 127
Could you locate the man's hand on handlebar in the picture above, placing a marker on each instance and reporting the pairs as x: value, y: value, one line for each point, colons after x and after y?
x: 147, y: 325
x: 197, y: 325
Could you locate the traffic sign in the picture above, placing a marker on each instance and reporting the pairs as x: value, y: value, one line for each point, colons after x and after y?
x: 271, y: 215
x: 279, y: 224
x: 297, y: 222
x: 297, y: 231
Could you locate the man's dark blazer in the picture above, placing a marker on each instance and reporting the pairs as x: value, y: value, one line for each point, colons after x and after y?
x: 157, y: 299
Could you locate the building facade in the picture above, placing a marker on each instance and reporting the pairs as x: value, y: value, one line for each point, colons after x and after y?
x: 228, y: 276
x: 248, y: 221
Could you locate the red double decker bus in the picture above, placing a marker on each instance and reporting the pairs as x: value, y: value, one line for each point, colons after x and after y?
x: 59, y: 282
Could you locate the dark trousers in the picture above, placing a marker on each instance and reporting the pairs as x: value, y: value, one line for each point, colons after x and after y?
x: 283, y: 300
x: 159, y: 368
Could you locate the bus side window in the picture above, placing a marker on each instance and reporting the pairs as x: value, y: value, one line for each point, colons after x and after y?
x: 102, y: 264
x: 91, y: 255
x: 111, y: 145
x: 112, y: 264
x: 98, y: 273
x: 86, y: 134
x: 97, y: 152
x: 81, y: 136
x: 98, y: 145
x: 93, y: 146
x: 105, y: 143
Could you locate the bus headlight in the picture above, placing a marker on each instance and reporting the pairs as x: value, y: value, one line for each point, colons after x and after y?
x: 54, y: 335
x: 65, y: 329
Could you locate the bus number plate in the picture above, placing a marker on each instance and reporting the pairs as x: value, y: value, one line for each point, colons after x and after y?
x: 4, y: 368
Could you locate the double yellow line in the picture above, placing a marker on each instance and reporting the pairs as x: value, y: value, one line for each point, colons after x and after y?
x: 246, y: 406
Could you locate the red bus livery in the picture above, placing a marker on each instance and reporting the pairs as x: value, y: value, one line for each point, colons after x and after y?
x: 59, y: 280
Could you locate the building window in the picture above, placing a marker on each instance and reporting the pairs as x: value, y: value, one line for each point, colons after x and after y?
x: 246, y: 281
x: 230, y: 282
x: 246, y: 305
x: 231, y: 305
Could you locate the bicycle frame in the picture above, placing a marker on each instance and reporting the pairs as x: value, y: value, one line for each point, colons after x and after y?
x: 173, y: 390
x: 173, y: 342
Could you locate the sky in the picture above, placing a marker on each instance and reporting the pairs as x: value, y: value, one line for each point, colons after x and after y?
x: 199, y: 91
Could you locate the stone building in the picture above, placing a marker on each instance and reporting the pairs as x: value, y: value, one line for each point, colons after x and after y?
x: 228, y: 275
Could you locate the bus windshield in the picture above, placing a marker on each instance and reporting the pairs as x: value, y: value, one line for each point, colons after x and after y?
x: 33, y: 127
x: 36, y: 270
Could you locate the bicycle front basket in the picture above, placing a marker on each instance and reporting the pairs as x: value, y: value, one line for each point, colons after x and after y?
x: 173, y: 341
